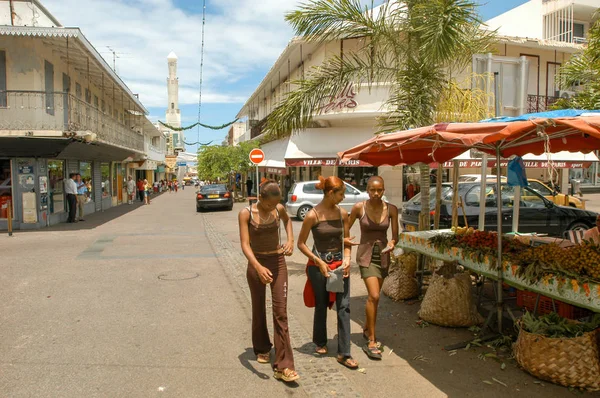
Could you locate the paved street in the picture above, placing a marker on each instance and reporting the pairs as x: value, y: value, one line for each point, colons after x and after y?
x: 151, y: 301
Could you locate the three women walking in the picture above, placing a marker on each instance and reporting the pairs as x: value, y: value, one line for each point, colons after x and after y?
x: 327, y: 269
x: 261, y: 243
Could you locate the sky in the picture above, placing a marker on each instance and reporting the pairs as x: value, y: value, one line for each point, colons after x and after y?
x: 243, y: 39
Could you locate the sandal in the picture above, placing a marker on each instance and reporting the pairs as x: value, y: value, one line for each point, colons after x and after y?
x: 321, y: 350
x: 288, y: 375
x: 377, y: 343
x: 263, y: 358
x: 372, y: 352
x: 348, y: 362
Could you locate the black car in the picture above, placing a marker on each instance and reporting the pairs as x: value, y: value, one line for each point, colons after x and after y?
x: 536, y: 213
x: 214, y: 196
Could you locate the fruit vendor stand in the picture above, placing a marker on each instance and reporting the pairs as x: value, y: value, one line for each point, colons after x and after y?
x: 444, y: 141
x: 569, y: 289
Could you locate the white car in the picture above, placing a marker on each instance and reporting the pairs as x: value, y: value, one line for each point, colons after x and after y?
x: 303, y: 196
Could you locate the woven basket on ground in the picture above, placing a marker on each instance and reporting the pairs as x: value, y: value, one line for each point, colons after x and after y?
x: 407, y: 262
x: 400, y: 286
x: 570, y: 362
x: 449, y: 302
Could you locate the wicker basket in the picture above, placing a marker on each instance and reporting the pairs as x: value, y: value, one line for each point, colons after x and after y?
x: 398, y: 285
x: 570, y: 362
x: 449, y: 302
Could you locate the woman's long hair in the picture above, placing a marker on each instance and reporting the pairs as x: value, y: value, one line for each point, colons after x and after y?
x: 330, y: 184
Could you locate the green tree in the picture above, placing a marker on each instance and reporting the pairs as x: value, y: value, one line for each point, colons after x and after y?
x: 223, y: 162
x: 583, y: 69
x: 412, y: 45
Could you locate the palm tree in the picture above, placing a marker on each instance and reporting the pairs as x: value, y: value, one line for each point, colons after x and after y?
x: 411, y: 45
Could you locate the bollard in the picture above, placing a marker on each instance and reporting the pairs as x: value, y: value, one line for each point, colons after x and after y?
x: 9, y: 216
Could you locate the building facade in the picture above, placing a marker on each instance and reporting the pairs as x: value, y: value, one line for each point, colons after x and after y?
x: 63, y: 110
x: 526, y: 66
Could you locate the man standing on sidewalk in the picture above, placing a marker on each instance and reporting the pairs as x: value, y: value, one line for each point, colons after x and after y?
x: 130, y: 190
x: 81, y: 195
x: 71, y: 191
x: 140, y: 187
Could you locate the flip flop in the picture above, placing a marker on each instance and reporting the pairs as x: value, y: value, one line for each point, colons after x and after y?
x: 346, y: 361
x: 288, y: 375
x: 372, y: 352
x: 322, y: 350
x: 378, y: 343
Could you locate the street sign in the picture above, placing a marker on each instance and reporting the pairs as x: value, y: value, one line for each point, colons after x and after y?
x: 257, y: 156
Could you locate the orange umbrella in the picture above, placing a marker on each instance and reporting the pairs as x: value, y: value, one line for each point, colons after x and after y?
x: 442, y: 142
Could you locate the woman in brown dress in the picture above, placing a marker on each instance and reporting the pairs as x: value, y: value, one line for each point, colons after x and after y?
x: 329, y: 226
x: 375, y: 217
x: 260, y: 239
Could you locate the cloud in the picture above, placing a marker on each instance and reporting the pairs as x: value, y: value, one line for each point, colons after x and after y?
x: 243, y: 38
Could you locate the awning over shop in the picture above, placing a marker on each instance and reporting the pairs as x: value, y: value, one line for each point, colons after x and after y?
x: 561, y: 160
x: 274, y: 155
x: 320, y: 146
x: 32, y: 147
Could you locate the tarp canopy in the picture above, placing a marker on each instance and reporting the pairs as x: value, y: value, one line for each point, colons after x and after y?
x: 544, y: 115
x: 442, y: 142
x: 274, y: 153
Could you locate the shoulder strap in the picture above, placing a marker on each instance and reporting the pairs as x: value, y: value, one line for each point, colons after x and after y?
x: 278, y: 218
x: 316, y: 214
x: 342, y: 234
x: 364, y: 209
x: 249, y: 208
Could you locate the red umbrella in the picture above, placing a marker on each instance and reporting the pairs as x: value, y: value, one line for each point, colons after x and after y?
x: 442, y: 142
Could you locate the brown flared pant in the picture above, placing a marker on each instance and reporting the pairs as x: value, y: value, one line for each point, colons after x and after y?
x: 284, y: 357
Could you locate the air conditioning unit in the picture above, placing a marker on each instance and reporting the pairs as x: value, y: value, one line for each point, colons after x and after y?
x: 566, y: 94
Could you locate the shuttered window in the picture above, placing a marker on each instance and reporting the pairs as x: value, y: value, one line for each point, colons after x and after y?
x: 49, y: 84
x: 3, y: 96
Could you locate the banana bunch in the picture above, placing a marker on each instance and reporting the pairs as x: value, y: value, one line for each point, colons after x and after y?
x: 463, y: 230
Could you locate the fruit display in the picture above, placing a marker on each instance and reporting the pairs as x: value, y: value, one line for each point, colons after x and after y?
x: 578, y: 261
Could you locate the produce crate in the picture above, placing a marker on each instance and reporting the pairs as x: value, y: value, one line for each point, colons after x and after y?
x: 527, y: 299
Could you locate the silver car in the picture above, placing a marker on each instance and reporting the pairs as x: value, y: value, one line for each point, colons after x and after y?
x: 303, y: 196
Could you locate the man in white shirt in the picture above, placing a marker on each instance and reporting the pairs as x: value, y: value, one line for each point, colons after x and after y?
x: 130, y: 190
x: 71, y: 191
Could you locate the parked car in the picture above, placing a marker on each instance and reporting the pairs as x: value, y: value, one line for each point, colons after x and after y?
x: 214, y: 196
x: 303, y: 196
x: 536, y: 213
x: 537, y: 185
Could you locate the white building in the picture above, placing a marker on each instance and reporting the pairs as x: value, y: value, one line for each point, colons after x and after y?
x: 526, y: 68
x: 63, y: 110
x: 236, y: 133
x: 175, y: 139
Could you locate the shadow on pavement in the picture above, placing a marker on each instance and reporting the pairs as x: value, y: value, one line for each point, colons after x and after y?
x: 245, y: 359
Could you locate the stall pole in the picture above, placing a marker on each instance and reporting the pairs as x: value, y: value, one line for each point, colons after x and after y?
x: 455, y: 194
x: 438, y: 199
x: 484, y: 162
x: 257, y: 183
x: 9, y: 215
x: 499, y: 302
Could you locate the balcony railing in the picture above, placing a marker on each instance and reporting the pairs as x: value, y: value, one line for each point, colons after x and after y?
x: 60, y: 111
x: 539, y: 103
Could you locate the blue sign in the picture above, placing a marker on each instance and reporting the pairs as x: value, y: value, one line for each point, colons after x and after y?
x: 181, y: 164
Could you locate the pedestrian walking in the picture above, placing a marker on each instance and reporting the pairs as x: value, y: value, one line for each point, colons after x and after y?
x: 82, y: 191
x: 261, y: 243
x: 130, y: 190
x: 328, y: 268
x: 147, y: 187
x: 71, y: 191
x: 249, y: 185
x: 175, y: 183
x: 140, y: 187
x: 373, y: 256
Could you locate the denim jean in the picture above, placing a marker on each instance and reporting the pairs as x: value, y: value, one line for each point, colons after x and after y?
x: 342, y: 303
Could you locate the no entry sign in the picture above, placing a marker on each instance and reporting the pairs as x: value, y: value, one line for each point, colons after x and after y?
x: 257, y: 156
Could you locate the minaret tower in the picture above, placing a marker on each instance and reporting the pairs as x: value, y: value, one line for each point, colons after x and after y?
x: 173, y: 113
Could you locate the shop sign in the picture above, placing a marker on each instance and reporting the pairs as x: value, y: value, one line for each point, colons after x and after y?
x: 160, y: 169
x: 325, y: 162
x: 171, y: 161
x: 345, y: 99
x: 532, y: 164
x: 273, y: 170
x: 25, y: 169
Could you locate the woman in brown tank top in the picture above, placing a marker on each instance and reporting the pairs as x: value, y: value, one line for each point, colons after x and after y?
x: 260, y: 240
x: 329, y: 225
x: 375, y: 217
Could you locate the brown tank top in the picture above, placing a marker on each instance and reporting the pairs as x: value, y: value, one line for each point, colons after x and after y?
x: 264, y: 238
x: 371, y: 234
x: 328, y: 234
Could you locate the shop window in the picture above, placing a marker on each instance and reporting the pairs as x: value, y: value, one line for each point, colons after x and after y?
x: 96, y: 101
x: 357, y: 176
x: 3, y: 96
x: 56, y: 174
x: 5, y: 188
x: 85, y: 169
x: 105, y: 172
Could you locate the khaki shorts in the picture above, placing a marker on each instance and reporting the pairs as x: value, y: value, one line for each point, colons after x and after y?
x: 374, y: 269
